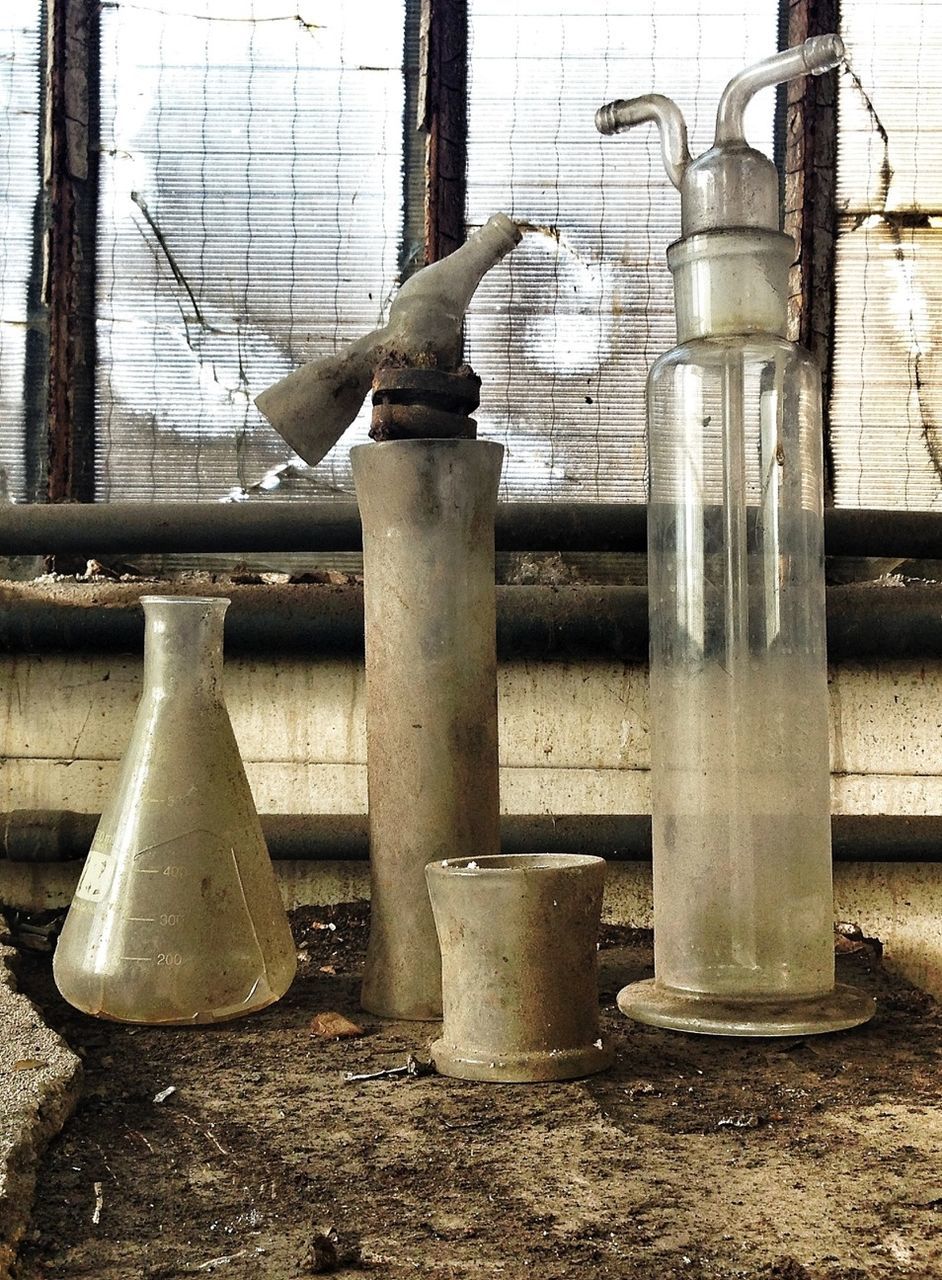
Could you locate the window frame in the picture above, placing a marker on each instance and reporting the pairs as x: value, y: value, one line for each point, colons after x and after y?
x: 435, y: 131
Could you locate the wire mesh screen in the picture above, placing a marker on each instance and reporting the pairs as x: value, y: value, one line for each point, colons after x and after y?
x: 886, y: 407
x: 563, y: 333
x: 250, y: 218
x: 19, y: 188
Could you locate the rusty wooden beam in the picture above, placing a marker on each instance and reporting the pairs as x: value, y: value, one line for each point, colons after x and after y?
x: 810, y: 211
x: 414, y: 56
x: 70, y: 188
x: 444, y: 114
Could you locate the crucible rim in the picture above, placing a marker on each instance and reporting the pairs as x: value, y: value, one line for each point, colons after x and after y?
x: 510, y: 864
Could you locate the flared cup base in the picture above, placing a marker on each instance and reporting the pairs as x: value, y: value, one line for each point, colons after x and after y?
x: 708, y: 1015
x: 521, y: 1068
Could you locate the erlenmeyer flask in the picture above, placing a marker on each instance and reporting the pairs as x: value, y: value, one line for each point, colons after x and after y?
x: 177, y: 916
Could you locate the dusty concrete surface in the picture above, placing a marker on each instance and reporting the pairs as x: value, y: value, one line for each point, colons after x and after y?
x: 693, y: 1158
x: 39, y: 1086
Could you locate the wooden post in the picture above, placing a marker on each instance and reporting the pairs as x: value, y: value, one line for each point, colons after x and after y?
x: 70, y: 180
x: 810, y: 212
x: 443, y: 108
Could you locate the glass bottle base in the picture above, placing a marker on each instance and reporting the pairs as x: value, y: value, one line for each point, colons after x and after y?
x: 111, y: 1004
x: 708, y: 1015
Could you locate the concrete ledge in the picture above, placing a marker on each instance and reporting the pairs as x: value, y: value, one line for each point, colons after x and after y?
x: 40, y: 1082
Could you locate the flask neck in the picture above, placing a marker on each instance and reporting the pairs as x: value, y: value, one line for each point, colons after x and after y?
x: 183, y: 646
x: 731, y: 281
x: 452, y: 280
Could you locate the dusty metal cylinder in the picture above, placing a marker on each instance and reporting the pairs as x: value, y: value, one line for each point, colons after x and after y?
x: 519, y: 937
x: 427, y: 508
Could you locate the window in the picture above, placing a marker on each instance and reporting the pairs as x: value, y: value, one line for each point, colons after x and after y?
x: 255, y: 188
x: 250, y: 218
x: 886, y: 412
x: 20, y: 320
x: 563, y: 333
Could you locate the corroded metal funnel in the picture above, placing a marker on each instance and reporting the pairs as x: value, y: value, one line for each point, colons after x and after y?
x: 427, y: 508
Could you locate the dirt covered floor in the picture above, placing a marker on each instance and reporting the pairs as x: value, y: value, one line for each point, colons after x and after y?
x: 801, y: 1159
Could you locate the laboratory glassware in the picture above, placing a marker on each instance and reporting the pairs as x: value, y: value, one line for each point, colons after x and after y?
x: 177, y: 917
x: 743, y: 906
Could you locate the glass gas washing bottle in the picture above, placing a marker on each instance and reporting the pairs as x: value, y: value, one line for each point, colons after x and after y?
x: 743, y: 908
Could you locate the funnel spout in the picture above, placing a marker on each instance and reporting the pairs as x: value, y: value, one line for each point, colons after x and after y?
x: 814, y: 57
x: 625, y: 113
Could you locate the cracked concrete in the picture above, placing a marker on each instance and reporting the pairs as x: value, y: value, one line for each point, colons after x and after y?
x: 41, y: 1081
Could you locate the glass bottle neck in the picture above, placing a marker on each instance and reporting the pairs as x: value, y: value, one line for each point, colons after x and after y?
x: 731, y: 282
x: 183, y: 646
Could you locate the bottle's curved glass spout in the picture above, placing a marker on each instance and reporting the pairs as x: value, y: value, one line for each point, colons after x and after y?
x: 177, y: 916
x: 743, y: 908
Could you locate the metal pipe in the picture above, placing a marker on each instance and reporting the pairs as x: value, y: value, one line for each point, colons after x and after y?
x: 541, y: 623
x: 122, y: 528
x: 168, y: 528
x: 127, y: 528
x: 60, y: 835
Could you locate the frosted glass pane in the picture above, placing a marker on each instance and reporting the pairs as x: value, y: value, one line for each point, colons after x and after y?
x: 19, y: 187
x: 564, y: 331
x: 886, y: 408
x: 896, y: 55
x: 250, y: 219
